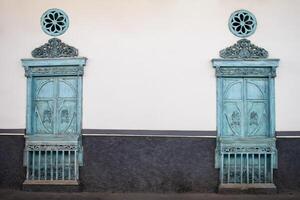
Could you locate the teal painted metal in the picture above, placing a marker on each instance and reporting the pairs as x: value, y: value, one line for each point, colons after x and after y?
x: 246, y: 151
x: 54, y: 22
x: 243, y: 49
x: 54, y: 49
x: 242, y: 23
x: 53, y: 149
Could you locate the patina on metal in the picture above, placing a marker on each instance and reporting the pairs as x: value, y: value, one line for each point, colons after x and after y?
x: 53, y: 149
x: 246, y: 151
x: 243, y: 49
x: 242, y: 23
x: 54, y: 49
x: 54, y: 22
x: 53, y: 145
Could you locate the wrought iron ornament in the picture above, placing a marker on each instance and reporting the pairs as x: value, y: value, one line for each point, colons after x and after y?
x: 246, y: 145
x: 54, y: 22
x: 243, y: 49
x: 242, y: 23
x: 54, y: 115
x: 53, y: 147
x: 54, y: 49
x: 247, y: 72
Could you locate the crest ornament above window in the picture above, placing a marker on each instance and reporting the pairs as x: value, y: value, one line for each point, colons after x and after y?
x: 54, y: 49
x: 242, y: 23
x: 54, y: 22
x: 243, y: 49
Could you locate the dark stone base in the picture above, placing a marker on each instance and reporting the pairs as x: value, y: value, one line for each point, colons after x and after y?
x: 247, y: 189
x: 60, y: 186
x: 147, y: 164
x: 12, y: 172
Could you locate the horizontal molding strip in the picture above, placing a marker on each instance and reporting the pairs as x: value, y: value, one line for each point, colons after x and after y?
x: 129, y: 135
x: 149, y: 133
x: 287, y: 136
x: 12, y: 134
x: 146, y: 135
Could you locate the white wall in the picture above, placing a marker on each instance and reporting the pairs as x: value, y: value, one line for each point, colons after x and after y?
x: 149, y: 60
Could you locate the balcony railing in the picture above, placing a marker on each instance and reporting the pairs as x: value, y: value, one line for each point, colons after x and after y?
x: 246, y: 168
x: 52, y: 165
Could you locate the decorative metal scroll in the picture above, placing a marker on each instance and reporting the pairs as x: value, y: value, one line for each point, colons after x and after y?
x: 248, y: 149
x: 243, y: 49
x: 54, y: 49
x: 51, y: 147
x: 238, y: 72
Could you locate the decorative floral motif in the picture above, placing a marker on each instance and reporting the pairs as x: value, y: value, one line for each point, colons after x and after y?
x: 54, y: 49
x: 49, y: 147
x: 243, y: 49
x: 47, y: 116
x: 54, y: 22
x: 259, y: 72
x: 54, y: 71
x: 234, y: 122
x: 249, y: 149
x: 235, y: 117
x: 65, y: 116
x: 242, y: 23
x: 253, y: 118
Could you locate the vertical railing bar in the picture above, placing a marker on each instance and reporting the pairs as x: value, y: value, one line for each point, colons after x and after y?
x: 51, y: 165
x: 241, y: 172
x: 222, y: 167
x: 271, y: 167
x: 63, y: 165
x: 45, y: 165
x: 228, y: 168
x: 235, y: 168
x: 247, y: 160
x: 253, y: 167
x: 75, y: 165
x: 27, y: 164
x: 39, y: 170
x: 69, y: 165
x: 56, y: 165
x: 265, y: 168
x: 259, y: 176
x: 33, y: 167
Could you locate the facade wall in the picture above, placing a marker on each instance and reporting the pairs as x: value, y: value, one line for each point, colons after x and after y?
x: 149, y: 61
x: 149, y: 164
x: 149, y: 68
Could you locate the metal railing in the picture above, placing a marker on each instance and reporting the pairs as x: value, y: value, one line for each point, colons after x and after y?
x: 52, y: 165
x: 246, y: 168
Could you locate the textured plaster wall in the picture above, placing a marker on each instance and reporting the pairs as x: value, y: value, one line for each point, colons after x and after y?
x: 149, y: 60
x: 148, y: 164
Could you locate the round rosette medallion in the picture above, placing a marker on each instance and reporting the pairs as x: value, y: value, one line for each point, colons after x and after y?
x: 242, y: 23
x: 54, y: 22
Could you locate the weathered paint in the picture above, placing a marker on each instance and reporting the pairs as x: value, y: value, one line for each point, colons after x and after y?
x: 53, y: 146
x: 246, y: 152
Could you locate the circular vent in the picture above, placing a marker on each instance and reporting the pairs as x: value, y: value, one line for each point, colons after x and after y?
x: 54, y: 22
x: 242, y: 23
